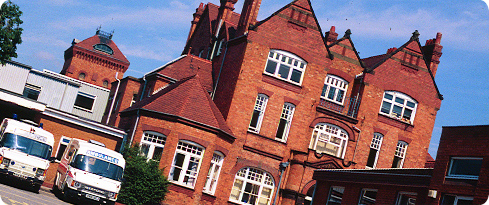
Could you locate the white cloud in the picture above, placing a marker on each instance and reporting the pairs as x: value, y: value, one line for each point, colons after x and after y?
x: 45, y: 55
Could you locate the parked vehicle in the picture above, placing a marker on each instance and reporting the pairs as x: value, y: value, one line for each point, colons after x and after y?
x: 25, y: 151
x: 88, y: 170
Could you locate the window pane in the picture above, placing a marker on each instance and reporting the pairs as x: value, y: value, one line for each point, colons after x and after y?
x: 398, y: 110
x: 323, y: 93
x: 157, y: 153
x: 397, y: 162
x: 331, y: 93
x: 254, y: 119
x: 84, y: 102
x: 339, y: 97
x: 386, y: 107
x: 238, y: 184
x: 271, y: 66
x: 410, y: 104
x: 371, y: 158
x: 448, y: 200
x: 284, y: 71
x: 145, y: 149
x: 399, y: 100
x: 407, y: 114
x: 335, y: 195
x: 468, y: 167
x: 388, y: 96
x: 296, y: 76
x: 281, y: 129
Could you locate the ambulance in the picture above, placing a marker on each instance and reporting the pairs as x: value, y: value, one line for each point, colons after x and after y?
x: 25, y: 151
x: 89, y: 171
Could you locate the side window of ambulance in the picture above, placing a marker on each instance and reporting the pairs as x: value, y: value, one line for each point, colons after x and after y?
x: 70, y: 152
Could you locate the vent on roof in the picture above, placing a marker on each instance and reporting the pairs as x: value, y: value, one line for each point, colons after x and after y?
x: 96, y: 143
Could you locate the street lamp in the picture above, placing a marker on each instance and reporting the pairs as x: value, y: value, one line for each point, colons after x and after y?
x: 281, y: 169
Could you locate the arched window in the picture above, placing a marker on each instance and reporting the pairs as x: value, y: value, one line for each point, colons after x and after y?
x: 258, y: 112
x: 213, y: 173
x: 399, y: 106
x: 329, y: 139
x: 104, y: 48
x: 186, y: 163
x: 152, y: 144
x: 400, y: 154
x: 374, y: 150
x: 81, y: 76
x: 285, y: 66
x: 252, y: 186
x: 334, y: 89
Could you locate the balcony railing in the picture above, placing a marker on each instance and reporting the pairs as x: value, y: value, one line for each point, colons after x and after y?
x: 349, y: 107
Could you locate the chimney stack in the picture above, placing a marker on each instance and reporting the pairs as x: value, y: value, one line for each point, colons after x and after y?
x: 331, y: 36
x: 225, y: 11
x: 248, y: 15
x: 432, y: 52
x: 198, y: 13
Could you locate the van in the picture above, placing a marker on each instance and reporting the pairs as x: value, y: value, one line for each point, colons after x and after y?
x: 25, y: 151
x: 88, y: 170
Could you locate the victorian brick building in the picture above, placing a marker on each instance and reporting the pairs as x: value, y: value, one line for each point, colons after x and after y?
x: 252, y: 108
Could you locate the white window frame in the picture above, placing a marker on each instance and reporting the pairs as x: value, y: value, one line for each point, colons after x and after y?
x: 253, y: 176
x: 286, y: 116
x: 287, y: 59
x: 402, y: 193
x: 401, y: 149
x: 152, y: 140
x: 407, y: 101
x: 323, y: 132
x: 375, y: 144
x: 62, y: 141
x: 362, y: 195
x: 193, y: 153
x: 334, y: 198
x: 87, y: 96
x: 214, y: 172
x: 335, y: 86
x: 260, y: 107
x: 30, y: 89
x: 461, y: 176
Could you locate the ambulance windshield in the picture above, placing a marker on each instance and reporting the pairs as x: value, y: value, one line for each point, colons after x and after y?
x: 26, y: 145
x: 98, y: 167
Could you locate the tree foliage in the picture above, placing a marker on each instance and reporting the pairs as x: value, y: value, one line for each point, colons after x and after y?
x: 10, y: 31
x: 144, y: 182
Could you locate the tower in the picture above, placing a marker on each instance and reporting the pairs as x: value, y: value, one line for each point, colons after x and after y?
x: 95, y: 60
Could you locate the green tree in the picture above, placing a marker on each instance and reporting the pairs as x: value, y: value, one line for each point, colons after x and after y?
x: 144, y: 182
x: 10, y: 31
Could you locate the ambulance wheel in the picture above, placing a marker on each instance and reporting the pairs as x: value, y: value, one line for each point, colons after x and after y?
x: 55, y: 189
x: 36, y: 188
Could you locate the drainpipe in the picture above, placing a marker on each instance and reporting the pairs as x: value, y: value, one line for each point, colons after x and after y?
x: 220, y: 70
x: 144, y: 87
x: 134, y: 128
x: 359, y: 134
x: 282, y: 167
x: 314, y: 192
x: 114, y: 98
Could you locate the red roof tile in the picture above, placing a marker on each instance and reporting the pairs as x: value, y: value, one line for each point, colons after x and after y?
x: 188, y: 100
x: 89, y: 44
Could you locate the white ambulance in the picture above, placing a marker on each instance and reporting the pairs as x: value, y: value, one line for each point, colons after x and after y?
x: 88, y: 170
x: 25, y: 151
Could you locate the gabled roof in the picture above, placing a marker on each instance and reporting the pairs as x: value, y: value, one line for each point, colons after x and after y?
x: 89, y: 44
x: 186, y: 66
x: 372, y: 63
x: 186, y: 100
x: 306, y: 5
x: 344, y: 38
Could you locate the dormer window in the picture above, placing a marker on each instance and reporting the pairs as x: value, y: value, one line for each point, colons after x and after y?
x: 399, y: 106
x: 104, y: 48
x: 285, y: 66
x: 334, y: 89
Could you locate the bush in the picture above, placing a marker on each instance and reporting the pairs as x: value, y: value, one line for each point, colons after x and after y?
x: 144, y: 182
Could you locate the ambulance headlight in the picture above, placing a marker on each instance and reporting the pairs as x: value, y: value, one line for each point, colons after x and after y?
x: 112, y: 195
x: 6, y: 162
x: 75, y: 184
x: 39, y: 172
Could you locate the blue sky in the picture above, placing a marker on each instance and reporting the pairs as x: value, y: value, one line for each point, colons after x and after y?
x: 151, y: 33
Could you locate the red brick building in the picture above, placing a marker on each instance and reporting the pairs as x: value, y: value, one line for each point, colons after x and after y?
x: 462, y: 167
x: 95, y: 60
x: 460, y: 176
x: 283, y: 99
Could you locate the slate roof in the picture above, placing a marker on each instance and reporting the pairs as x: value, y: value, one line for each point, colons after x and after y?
x: 89, y: 44
x: 188, y: 100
